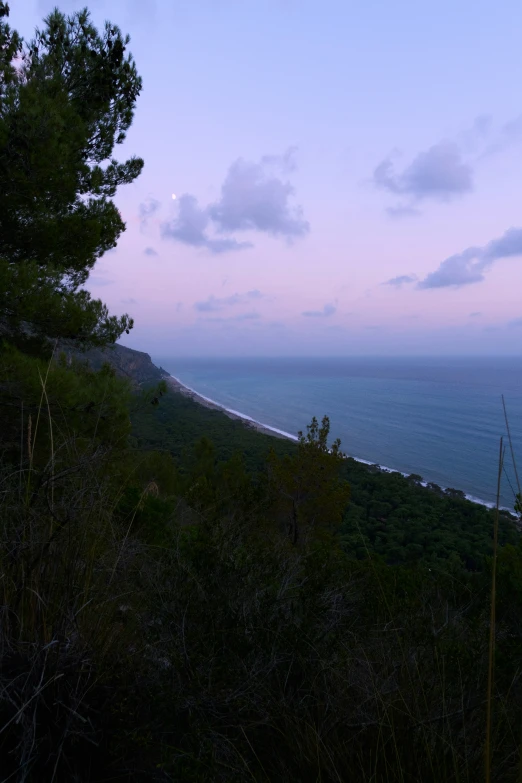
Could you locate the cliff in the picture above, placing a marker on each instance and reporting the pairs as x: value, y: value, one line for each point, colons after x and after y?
x: 128, y: 363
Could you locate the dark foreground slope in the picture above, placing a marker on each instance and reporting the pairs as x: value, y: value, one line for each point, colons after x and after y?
x: 159, y: 624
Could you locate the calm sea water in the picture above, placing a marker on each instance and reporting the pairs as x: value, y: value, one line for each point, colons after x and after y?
x: 438, y: 417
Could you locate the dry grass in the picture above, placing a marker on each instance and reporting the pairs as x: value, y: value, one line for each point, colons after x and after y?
x: 61, y: 631
x: 227, y: 654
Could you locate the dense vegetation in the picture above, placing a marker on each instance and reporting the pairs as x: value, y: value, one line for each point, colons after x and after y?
x: 388, y: 514
x: 185, y: 599
x: 66, y: 99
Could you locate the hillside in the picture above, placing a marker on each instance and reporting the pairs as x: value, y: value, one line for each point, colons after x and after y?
x: 128, y: 363
x: 388, y: 514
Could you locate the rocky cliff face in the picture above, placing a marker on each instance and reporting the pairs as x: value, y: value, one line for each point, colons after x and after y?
x: 128, y: 363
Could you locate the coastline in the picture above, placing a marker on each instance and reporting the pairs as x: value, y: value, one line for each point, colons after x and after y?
x: 179, y: 387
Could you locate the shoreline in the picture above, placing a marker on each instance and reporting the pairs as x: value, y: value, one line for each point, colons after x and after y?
x: 179, y: 387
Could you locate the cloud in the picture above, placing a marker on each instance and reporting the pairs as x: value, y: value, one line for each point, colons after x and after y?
x: 475, y: 315
x: 253, y: 200
x: 483, y: 140
x: 149, y: 251
x: 286, y: 162
x: 445, y: 170
x: 190, y: 227
x: 402, y: 212
x: 515, y: 323
x: 147, y: 209
x: 214, y: 304
x: 510, y: 134
x: 326, y: 312
x: 400, y: 280
x: 472, y: 139
x: 251, y: 316
x: 129, y: 301
x: 482, y: 125
x: 439, y: 173
x: 470, y: 265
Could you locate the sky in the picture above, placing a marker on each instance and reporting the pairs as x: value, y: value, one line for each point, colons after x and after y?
x: 347, y: 177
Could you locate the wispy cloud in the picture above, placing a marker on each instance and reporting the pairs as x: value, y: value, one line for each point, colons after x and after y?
x: 326, y: 312
x: 473, y: 139
x: 470, y: 265
x: 516, y: 323
x: 146, y: 210
x: 509, y: 135
x: 251, y: 316
x: 403, y: 212
x: 400, y: 280
x: 214, y: 303
x: 286, y: 162
x: 149, y: 251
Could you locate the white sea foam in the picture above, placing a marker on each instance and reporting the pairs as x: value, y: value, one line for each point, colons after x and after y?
x: 288, y: 435
x: 234, y: 412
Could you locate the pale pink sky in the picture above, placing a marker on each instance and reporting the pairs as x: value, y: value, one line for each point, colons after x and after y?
x: 367, y: 110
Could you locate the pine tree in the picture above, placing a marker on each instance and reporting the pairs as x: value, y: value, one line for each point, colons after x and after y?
x: 66, y: 99
x: 306, y: 487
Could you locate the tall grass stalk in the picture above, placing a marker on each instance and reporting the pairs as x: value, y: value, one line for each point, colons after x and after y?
x: 51, y: 439
x: 31, y: 445
x: 508, y: 430
x: 492, y: 620
x: 514, y: 462
x: 21, y: 448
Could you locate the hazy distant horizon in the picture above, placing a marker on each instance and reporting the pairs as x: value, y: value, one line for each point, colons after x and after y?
x: 315, y: 357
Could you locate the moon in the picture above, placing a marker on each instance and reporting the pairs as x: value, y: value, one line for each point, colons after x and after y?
x: 173, y: 196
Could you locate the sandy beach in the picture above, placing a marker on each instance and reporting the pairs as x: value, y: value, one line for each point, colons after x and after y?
x: 179, y: 388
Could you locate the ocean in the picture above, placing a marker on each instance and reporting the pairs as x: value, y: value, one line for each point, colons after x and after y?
x: 439, y: 417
